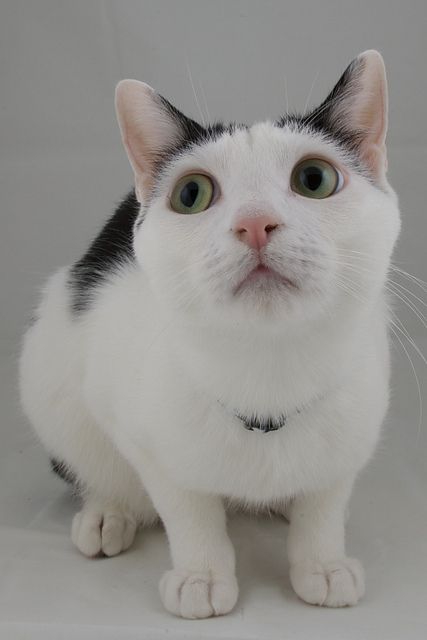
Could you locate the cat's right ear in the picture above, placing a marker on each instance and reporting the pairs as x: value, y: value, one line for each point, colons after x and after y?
x: 356, y: 111
x: 150, y: 126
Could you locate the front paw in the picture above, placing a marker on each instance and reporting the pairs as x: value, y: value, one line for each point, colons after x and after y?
x: 334, y: 584
x: 198, y: 595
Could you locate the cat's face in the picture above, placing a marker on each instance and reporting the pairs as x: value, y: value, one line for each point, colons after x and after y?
x: 280, y: 221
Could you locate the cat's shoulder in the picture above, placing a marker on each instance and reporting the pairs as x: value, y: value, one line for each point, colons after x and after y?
x: 110, y: 250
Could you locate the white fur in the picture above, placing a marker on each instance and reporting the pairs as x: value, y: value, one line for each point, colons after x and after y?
x: 138, y: 394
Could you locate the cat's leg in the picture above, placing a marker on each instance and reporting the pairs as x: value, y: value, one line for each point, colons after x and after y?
x: 320, y: 572
x: 115, y: 502
x: 202, y: 582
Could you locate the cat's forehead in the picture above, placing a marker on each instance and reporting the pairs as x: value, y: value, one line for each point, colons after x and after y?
x: 262, y: 146
x: 269, y: 137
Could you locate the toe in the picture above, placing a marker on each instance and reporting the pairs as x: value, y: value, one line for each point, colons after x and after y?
x: 341, y: 587
x: 170, y: 588
x: 198, y: 594
x: 309, y: 583
x: 194, y: 597
x: 335, y: 584
x: 86, y: 534
x: 95, y: 531
x: 113, y: 529
x: 129, y: 533
x: 224, y: 594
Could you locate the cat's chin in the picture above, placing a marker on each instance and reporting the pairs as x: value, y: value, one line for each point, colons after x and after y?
x: 269, y: 299
x: 276, y: 303
x: 265, y: 281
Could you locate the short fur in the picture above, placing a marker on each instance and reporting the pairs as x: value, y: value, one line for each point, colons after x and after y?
x: 150, y: 354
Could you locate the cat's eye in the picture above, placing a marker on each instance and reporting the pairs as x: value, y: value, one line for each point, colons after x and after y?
x: 192, y: 194
x: 316, y: 178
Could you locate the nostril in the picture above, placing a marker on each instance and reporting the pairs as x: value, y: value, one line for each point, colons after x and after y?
x: 270, y: 227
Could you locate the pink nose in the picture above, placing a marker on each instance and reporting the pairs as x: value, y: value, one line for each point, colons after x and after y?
x: 255, y: 231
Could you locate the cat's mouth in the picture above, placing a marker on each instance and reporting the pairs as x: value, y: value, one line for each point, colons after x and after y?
x: 265, y: 276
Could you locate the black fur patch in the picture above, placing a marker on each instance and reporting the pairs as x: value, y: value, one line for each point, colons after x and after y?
x: 113, y: 246
x: 265, y: 425
x: 192, y: 133
x: 63, y: 471
x: 329, y: 119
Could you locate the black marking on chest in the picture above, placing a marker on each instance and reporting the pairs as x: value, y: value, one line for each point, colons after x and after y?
x: 264, y: 424
x: 111, y: 248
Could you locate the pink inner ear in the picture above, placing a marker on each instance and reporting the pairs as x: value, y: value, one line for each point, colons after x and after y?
x: 369, y: 112
x: 371, y: 105
x: 147, y: 129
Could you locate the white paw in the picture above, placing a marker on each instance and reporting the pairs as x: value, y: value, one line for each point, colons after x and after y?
x: 198, y: 595
x: 108, y: 531
x: 334, y: 584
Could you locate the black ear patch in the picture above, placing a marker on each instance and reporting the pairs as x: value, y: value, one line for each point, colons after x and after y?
x: 331, y: 117
x: 192, y: 133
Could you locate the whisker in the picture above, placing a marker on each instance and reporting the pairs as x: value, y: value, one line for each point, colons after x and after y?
x: 307, y: 102
x: 408, y: 291
x: 205, y: 101
x: 286, y: 94
x: 409, y: 304
x: 202, y: 117
x: 420, y: 398
x: 410, y: 276
x: 398, y: 322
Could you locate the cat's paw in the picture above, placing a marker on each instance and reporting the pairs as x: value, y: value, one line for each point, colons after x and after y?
x: 198, y: 595
x: 95, y: 531
x: 334, y: 584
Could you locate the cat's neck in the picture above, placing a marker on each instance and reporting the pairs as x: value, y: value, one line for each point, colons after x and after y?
x: 262, y: 371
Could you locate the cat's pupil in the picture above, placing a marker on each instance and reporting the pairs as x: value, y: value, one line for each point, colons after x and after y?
x: 312, y: 177
x: 189, y: 194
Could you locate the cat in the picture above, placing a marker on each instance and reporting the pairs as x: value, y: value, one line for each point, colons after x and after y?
x: 225, y: 337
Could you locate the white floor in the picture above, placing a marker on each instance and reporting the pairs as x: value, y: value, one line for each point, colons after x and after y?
x: 49, y: 591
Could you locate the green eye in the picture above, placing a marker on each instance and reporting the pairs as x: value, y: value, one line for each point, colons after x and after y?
x: 315, y: 178
x: 192, y: 194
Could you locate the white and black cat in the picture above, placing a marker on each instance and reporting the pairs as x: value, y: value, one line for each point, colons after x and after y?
x: 225, y: 337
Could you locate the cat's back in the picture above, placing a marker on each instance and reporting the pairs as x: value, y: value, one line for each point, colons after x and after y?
x: 57, y: 343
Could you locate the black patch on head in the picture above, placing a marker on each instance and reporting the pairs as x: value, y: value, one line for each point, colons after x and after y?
x: 329, y: 118
x: 63, y: 471
x: 111, y: 248
x: 192, y: 133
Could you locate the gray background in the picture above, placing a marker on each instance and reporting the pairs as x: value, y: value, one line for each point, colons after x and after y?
x: 62, y: 169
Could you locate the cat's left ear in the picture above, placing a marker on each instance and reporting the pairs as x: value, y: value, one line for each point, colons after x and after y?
x: 356, y: 110
x: 151, y: 127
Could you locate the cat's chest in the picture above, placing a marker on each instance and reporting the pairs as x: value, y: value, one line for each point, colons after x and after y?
x: 223, y: 453
x: 196, y: 422
x: 207, y: 447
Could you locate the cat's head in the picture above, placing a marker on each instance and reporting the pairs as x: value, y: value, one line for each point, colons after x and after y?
x: 284, y: 221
